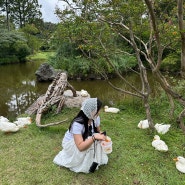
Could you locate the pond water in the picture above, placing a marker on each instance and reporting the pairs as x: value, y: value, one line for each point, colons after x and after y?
x: 19, y: 88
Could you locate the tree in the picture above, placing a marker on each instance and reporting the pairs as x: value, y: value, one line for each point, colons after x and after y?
x: 3, y: 24
x: 5, y: 7
x: 46, y: 31
x: 182, y: 34
x: 24, y: 12
x: 20, y: 12
x: 134, y: 22
x: 30, y: 32
x: 13, y: 47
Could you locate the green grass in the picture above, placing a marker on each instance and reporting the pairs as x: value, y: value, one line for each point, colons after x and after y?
x: 41, y: 55
x: 27, y: 156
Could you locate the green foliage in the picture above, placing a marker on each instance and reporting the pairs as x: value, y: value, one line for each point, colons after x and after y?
x: 70, y: 59
x: 19, y: 12
x: 171, y: 63
x: 77, y: 40
x: 13, y: 46
x: 9, y: 59
x: 3, y: 22
x: 101, y: 29
x: 45, y: 46
x: 133, y: 160
x: 76, y: 67
x: 178, y: 84
x: 22, y: 51
x: 124, y: 62
x: 93, y: 39
x: 30, y: 29
x: 30, y: 32
x: 41, y: 56
x: 26, y: 12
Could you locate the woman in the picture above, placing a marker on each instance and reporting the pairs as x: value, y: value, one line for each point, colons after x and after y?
x: 82, y: 151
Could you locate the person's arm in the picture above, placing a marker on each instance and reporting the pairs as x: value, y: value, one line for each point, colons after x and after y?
x: 84, y: 145
x: 98, y: 129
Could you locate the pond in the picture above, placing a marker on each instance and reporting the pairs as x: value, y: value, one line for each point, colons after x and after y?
x: 19, y: 88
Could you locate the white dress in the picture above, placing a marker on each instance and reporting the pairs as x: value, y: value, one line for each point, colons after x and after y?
x: 70, y: 157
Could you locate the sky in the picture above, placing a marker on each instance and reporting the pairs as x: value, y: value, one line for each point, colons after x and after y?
x: 48, y: 9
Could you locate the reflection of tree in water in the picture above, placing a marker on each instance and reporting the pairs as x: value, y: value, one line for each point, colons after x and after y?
x: 22, y: 97
x: 4, y: 97
x: 17, y: 87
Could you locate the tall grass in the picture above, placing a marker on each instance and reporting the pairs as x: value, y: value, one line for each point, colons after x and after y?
x: 27, y: 156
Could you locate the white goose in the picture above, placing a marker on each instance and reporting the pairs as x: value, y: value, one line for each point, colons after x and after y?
x: 180, y: 163
x: 159, y: 144
x: 2, y: 118
x: 162, y: 128
x: 23, y: 121
x: 111, y: 109
x: 143, y: 124
x: 7, y: 127
x: 84, y: 93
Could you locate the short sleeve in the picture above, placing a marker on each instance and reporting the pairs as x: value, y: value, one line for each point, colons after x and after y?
x: 97, y: 121
x: 77, y: 128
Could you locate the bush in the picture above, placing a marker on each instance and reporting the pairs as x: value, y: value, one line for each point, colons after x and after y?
x: 22, y: 51
x: 171, y: 63
x: 76, y: 67
x: 13, y: 47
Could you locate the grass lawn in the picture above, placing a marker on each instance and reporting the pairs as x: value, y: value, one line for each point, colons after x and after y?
x: 26, y: 156
x: 41, y: 55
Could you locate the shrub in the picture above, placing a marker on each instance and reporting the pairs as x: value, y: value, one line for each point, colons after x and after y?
x: 13, y: 46
x: 22, y: 51
x: 171, y: 63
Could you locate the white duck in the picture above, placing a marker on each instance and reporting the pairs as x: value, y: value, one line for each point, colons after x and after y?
x: 143, y: 124
x: 159, y: 144
x: 111, y: 109
x: 23, y: 121
x: 180, y: 163
x: 3, y: 119
x: 162, y: 128
x: 83, y: 93
x: 7, y: 127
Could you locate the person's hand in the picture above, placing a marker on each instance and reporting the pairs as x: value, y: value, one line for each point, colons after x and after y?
x: 99, y: 136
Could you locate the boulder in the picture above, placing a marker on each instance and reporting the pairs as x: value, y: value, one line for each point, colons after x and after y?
x: 46, y: 72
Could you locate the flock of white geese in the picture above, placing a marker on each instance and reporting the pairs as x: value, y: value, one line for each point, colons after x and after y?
x: 160, y: 145
x: 6, y: 126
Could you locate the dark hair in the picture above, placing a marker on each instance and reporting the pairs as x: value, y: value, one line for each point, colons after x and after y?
x: 99, y: 104
x: 83, y: 119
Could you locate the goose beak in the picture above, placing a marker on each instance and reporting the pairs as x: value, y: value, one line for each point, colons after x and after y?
x: 175, y: 159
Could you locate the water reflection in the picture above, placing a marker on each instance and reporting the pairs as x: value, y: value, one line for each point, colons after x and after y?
x: 19, y: 88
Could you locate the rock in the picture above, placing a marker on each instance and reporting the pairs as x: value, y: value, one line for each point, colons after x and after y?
x: 71, y: 101
x: 46, y: 72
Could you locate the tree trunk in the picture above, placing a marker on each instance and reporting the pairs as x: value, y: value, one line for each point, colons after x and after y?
x: 181, y: 29
x: 54, y: 96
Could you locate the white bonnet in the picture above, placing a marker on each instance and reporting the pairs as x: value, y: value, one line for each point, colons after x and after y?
x: 89, y: 107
